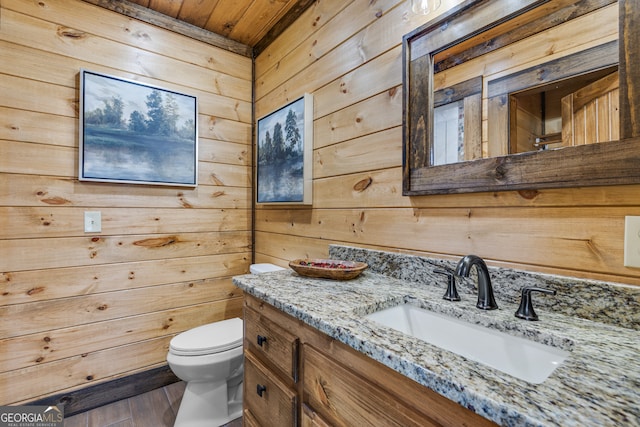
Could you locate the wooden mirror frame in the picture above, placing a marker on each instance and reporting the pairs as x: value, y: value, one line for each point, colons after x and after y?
x: 610, y: 163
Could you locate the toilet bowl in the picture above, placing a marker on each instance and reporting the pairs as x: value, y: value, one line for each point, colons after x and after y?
x: 209, y: 359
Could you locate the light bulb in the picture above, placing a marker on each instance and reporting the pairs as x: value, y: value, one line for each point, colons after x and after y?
x: 425, y: 7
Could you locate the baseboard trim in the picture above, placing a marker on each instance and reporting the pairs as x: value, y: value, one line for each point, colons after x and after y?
x: 102, y: 394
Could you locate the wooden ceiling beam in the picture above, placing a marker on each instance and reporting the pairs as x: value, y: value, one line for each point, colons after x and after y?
x: 289, y: 18
x: 149, y: 16
x: 152, y: 17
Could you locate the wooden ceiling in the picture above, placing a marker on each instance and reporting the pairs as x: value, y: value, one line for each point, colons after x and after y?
x: 243, y: 26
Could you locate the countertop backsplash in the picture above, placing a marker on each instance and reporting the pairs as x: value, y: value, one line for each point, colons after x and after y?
x: 605, y: 302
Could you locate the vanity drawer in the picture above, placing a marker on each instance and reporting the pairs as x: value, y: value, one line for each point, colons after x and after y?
x: 342, y: 397
x: 311, y: 418
x: 248, y: 420
x: 269, y: 401
x: 271, y: 342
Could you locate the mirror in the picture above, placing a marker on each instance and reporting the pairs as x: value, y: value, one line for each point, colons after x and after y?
x: 496, y: 94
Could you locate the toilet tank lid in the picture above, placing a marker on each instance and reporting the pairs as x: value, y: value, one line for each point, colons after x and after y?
x: 208, y: 339
x: 264, y: 268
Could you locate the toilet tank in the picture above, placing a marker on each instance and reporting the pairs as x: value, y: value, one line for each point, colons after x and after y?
x: 263, y: 268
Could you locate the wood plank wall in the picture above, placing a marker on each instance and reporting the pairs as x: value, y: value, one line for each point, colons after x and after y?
x: 78, y: 309
x: 348, y: 54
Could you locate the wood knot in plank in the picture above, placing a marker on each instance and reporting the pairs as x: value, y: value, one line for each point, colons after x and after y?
x: 363, y: 184
x: 141, y: 35
x: 71, y: 33
x: 542, y: 74
x: 158, y: 242
x: 216, y: 180
x: 167, y: 324
x: 528, y: 194
x: 500, y: 171
x: 322, y: 393
x: 56, y: 201
x: 36, y: 290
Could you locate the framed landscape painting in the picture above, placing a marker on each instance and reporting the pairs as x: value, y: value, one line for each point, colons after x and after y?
x: 135, y: 133
x: 284, y: 154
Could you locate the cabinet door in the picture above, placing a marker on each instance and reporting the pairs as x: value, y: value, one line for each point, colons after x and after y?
x: 311, y: 418
x: 345, y: 399
x: 271, y: 342
x: 270, y: 401
x: 591, y: 114
x: 248, y: 420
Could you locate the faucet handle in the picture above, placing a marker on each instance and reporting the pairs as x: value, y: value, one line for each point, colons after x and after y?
x: 452, y: 292
x: 526, y: 311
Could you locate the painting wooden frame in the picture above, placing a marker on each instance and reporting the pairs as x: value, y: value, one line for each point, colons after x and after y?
x: 284, y: 150
x: 136, y: 133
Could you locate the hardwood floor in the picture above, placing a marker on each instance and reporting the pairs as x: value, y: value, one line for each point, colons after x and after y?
x: 157, y: 408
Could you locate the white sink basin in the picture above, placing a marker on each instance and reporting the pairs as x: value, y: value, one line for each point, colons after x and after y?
x: 522, y: 358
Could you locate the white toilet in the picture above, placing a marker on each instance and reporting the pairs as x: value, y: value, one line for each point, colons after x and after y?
x: 209, y: 358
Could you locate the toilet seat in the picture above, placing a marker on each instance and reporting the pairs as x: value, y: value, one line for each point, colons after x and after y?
x: 208, y: 339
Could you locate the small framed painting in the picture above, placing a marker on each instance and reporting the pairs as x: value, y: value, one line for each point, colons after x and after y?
x: 284, y: 154
x: 135, y: 133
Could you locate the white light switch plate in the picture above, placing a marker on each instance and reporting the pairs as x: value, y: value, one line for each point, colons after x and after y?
x: 92, y: 222
x: 632, y: 241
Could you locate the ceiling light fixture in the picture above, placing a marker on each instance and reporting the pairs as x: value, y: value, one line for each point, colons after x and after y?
x: 425, y: 7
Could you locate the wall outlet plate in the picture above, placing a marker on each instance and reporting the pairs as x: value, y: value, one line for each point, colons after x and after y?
x: 632, y: 241
x: 92, y: 222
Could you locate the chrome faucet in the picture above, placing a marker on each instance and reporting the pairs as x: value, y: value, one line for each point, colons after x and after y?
x: 486, y: 301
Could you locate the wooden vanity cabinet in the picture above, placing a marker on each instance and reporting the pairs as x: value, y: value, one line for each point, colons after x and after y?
x: 271, y: 363
x: 269, y: 400
x: 313, y: 380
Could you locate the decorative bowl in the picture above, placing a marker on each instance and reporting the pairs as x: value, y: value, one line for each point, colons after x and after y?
x: 328, y: 268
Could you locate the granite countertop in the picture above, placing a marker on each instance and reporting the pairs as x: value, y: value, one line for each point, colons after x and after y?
x: 598, y: 384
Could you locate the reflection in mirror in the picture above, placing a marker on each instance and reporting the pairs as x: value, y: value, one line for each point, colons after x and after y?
x: 448, y: 133
x: 572, y: 100
x: 561, y: 114
x: 457, y: 115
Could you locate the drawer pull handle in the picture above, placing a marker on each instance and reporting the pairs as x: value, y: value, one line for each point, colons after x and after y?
x: 261, y: 340
x: 261, y: 389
